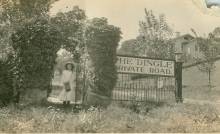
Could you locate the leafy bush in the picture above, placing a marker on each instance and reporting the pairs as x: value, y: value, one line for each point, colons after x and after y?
x: 71, y: 24
x: 6, y: 82
x: 36, y: 45
x: 101, y: 41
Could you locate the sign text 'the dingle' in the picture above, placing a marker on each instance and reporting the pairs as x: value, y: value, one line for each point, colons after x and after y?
x: 145, y: 66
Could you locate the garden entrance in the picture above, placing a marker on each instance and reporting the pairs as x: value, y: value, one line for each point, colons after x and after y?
x: 57, y: 85
x: 139, y: 79
x: 145, y: 79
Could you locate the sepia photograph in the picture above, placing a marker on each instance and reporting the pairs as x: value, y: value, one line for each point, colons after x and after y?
x: 109, y: 66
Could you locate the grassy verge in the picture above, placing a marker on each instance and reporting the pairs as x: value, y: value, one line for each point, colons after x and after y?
x: 125, y: 117
x: 201, y: 93
x: 195, y: 84
x: 166, y: 118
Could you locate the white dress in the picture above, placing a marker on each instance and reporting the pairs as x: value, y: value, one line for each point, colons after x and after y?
x: 68, y: 76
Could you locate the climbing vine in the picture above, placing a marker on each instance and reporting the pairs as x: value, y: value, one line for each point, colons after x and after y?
x: 101, y: 41
x: 35, y: 45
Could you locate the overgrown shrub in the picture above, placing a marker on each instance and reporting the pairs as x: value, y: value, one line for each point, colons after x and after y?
x: 101, y: 41
x: 36, y: 45
x: 6, y: 82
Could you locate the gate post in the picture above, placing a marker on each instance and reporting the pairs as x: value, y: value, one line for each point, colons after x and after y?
x: 178, y: 76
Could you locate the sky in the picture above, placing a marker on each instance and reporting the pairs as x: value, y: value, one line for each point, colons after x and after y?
x: 182, y: 15
x: 213, y: 1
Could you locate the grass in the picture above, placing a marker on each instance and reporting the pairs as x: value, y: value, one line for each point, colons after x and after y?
x: 163, y: 118
x: 125, y: 117
x: 195, y: 84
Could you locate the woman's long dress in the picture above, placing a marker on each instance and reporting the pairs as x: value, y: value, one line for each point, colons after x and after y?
x: 68, y: 76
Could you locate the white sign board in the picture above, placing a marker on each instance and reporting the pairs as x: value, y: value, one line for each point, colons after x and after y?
x: 145, y: 66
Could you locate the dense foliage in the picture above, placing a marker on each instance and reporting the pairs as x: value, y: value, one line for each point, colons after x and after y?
x: 101, y: 41
x: 154, y: 38
x: 36, y: 45
x: 128, y: 47
x: 210, y: 49
x: 18, y: 18
x: 6, y: 80
x: 34, y: 38
x: 71, y: 25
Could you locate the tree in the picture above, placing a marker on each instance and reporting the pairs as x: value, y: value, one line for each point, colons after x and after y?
x: 36, y: 46
x: 210, y: 50
x: 154, y: 38
x: 15, y: 13
x: 28, y: 27
x: 128, y: 47
x: 216, y: 32
x: 71, y: 26
x: 36, y: 38
x: 101, y: 42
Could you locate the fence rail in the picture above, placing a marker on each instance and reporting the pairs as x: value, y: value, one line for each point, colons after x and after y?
x: 152, y: 88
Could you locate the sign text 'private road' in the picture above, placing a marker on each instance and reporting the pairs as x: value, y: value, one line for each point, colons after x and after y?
x: 145, y: 66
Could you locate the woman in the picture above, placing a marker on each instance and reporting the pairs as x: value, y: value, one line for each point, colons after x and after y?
x: 68, y: 79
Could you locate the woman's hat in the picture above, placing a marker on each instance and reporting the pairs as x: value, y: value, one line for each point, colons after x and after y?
x: 71, y: 63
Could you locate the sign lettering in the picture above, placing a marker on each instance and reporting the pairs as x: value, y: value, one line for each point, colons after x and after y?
x: 145, y: 66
